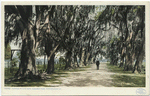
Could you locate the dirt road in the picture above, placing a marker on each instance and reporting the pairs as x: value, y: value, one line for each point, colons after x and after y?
x: 88, y: 78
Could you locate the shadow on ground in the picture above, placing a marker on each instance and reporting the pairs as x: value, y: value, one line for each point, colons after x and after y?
x: 52, y: 79
x: 128, y: 81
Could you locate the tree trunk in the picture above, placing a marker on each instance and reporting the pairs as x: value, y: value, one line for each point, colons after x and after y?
x: 128, y: 59
x: 135, y: 66
x: 84, y: 62
x: 50, y: 67
x: 90, y: 59
x: 82, y: 58
x: 27, y: 66
x: 53, y: 56
x: 87, y: 58
x: 121, y: 61
x: 68, y: 59
x: 75, y: 61
x: 80, y: 55
x: 44, y: 63
x: 94, y: 58
x: 48, y: 48
x: 126, y: 67
x: 50, y: 51
x: 138, y: 63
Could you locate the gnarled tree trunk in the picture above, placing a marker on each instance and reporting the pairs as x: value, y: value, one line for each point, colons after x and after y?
x: 27, y: 65
x: 68, y: 59
x: 87, y: 58
x: 50, y: 51
x: 138, y: 63
x: 82, y: 57
x: 50, y: 67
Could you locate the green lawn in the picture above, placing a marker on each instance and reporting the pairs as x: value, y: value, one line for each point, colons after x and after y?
x: 10, y: 74
x: 126, y: 78
x: 53, y: 78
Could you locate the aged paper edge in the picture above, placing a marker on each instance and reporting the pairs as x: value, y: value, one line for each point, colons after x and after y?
x: 76, y: 90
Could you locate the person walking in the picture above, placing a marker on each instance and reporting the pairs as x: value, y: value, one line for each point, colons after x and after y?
x: 97, y: 64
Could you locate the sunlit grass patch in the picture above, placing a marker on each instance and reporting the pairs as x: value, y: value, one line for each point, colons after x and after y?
x: 52, y: 78
x: 128, y: 81
x: 126, y: 78
x: 116, y: 69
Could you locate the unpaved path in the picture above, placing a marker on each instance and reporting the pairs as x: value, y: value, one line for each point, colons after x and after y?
x: 89, y: 78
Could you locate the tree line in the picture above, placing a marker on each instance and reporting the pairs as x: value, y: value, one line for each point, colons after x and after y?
x: 128, y: 46
x: 49, y: 29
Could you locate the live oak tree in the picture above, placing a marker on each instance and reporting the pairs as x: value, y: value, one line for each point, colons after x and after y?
x: 129, y: 21
x: 25, y: 25
x: 69, y: 24
x: 116, y: 32
x: 47, y: 38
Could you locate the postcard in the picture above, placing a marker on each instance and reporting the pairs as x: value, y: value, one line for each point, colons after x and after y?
x: 75, y: 48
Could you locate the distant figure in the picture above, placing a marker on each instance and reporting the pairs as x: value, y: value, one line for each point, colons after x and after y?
x: 97, y: 64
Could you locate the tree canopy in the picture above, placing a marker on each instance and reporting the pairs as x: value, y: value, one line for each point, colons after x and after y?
x: 83, y: 32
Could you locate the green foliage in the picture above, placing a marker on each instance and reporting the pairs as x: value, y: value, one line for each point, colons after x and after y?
x: 19, y: 55
x: 77, y: 19
x: 9, y: 74
x: 69, y: 13
x: 8, y: 51
x: 97, y: 7
x: 128, y: 81
x: 62, y: 60
x: 126, y: 78
x: 135, y: 10
x: 139, y: 7
x: 97, y: 16
x: 111, y: 41
x: 114, y: 39
x: 104, y: 47
x: 117, y: 69
x: 14, y: 62
x: 39, y: 51
x: 118, y: 39
x: 41, y: 68
x: 59, y: 66
x: 113, y: 11
x: 54, y: 78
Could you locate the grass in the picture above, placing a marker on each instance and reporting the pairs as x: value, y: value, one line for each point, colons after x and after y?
x: 9, y: 74
x: 116, y: 69
x: 128, y: 81
x: 37, y: 83
x: 54, y: 78
x: 126, y: 78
